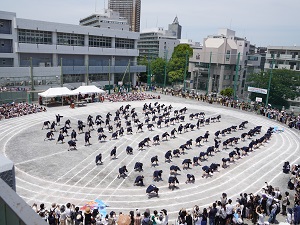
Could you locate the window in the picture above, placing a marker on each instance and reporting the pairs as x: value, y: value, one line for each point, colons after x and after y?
x: 3, y: 62
x: 227, y: 67
x: 246, y: 45
x: 124, y: 43
x: 2, y: 44
x: 70, y: 39
x: 227, y: 77
x: 34, y: 36
x: 252, y: 58
x: 227, y: 55
x: 1, y: 24
x: 100, y: 42
x: 98, y: 77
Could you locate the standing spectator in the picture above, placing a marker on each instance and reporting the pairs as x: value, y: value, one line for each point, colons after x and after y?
x: 297, y: 213
x: 274, y: 207
x: 224, y: 199
x: 112, y: 218
x: 63, y: 215
x: 285, y: 203
x: 43, y: 212
x: 261, y: 216
x: 229, y: 211
x: 204, y: 217
x: 212, y: 214
x: 70, y: 214
x: 131, y: 214
x: 78, y: 218
x: 87, y: 216
x: 197, y: 215
x: 217, y: 217
x: 146, y: 219
x: 165, y: 213
x: 138, y: 218
x: 154, y: 216
x: 223, y: 215
x: 51, y: 218
x: 188, y: 218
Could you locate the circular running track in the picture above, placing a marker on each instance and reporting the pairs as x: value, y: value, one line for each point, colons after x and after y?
x: 46, y: 172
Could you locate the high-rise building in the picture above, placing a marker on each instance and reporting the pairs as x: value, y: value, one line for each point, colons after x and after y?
x: 175, y: 28
x: 130, y: 9
x: 157, y: 42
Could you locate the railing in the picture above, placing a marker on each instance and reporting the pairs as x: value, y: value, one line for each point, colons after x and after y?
x: 102, y: 69
x: 14, y: 210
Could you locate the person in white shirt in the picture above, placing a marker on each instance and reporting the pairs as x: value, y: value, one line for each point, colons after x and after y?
x: 229, y: 211
x: 261, y: 215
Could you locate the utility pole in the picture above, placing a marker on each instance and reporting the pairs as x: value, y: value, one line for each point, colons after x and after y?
x: 32, y: 80
x: 236, y: 76
x: 208, y: 78
x: 185, y: 68
x: 87, y: 72
x: 165, y: 78
x: 149, y: 68
x: 270, y: 79
x: 61, y: 73
x: 109, y: 76
x: 129, y: 76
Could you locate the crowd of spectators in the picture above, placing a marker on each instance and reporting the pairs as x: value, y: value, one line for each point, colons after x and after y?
x: 10, y: 110
x: 261, y: 208
x: 289, y: 118
x: 7, y: 89
x: 125, y: 97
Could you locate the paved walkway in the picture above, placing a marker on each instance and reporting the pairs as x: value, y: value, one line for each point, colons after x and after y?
x: 46, y: 172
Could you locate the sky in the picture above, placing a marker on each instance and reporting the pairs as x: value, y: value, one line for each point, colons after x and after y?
x: 262, y: 22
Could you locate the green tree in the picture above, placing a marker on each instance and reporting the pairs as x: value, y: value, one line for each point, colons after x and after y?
x: 142, y: 60
x: 284, y: 85
x: 158, y: 69
x: 227, y: 92
x: 177, y: 62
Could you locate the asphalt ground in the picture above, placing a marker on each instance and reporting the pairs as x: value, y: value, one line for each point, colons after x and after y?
x: 46, y: 172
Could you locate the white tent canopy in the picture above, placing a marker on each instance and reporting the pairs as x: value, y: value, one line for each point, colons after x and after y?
x: 56, y: 92
x: 87, y: 90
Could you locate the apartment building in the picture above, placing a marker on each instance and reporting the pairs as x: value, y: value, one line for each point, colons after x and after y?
x: 224, y: 61
x: 285, y: 57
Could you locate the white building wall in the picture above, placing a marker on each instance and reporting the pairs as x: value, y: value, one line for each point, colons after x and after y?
x: 167, y: 45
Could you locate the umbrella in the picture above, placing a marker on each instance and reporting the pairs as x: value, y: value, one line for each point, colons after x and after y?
x: 96, y: 204
x: 123, y: 219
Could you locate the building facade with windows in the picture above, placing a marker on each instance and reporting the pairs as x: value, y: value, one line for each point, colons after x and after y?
x: 224, y: 62
x: 56, y: 53
x: 155, y: 43
x: 130, y: 9
x: 109, y: 19
x: 158, y: 42
x: 285, y: 57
